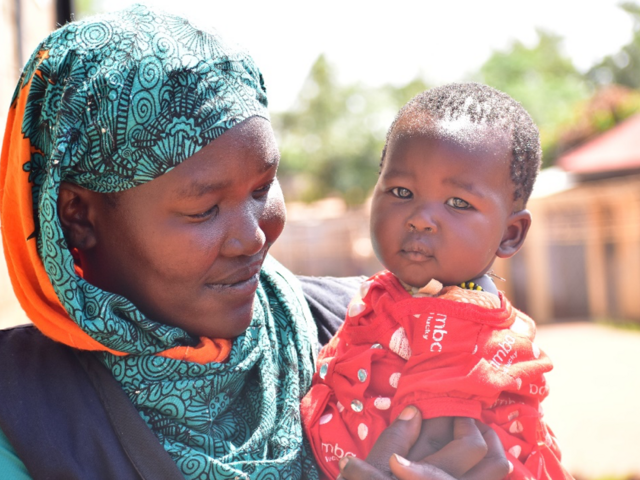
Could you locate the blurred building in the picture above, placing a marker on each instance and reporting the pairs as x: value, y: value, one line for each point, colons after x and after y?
x: 582, y: 255
x: 24, y: 24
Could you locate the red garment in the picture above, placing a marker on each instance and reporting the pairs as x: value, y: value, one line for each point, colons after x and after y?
x: 461, y: 353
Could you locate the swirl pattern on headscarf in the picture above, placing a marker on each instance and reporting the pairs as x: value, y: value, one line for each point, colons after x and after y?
x: 108, y: 104
x: 115, y: 102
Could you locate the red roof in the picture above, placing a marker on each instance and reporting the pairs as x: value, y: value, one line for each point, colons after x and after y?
x: 616, y: 149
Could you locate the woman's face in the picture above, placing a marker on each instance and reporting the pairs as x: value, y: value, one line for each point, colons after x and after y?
x: 187, y: 247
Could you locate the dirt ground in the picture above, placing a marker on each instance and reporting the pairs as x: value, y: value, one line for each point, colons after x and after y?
x: 594, y: 402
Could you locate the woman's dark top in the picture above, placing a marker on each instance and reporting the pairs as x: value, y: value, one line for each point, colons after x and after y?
x: 67, y: 417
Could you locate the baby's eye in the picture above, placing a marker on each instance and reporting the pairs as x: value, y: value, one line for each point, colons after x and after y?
x: 458, y: 203
x: 401, y: 192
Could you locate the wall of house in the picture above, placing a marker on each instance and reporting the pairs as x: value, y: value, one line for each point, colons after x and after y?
x: 582, y: 257
x: 23, y: 24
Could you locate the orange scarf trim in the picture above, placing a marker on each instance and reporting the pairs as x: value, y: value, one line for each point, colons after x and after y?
x: 30, y: 281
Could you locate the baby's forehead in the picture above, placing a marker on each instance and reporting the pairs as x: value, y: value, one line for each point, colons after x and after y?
x: 461, y: 131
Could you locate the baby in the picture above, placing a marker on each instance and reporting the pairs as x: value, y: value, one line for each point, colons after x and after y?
x: 433, y: 330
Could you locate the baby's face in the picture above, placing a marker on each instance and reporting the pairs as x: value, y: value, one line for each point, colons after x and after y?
x: 443, y: 203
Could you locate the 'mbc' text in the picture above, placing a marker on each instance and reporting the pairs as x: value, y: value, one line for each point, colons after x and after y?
x: 439, y: 323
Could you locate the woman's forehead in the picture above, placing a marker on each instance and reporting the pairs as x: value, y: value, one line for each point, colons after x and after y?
x: 241, y: 155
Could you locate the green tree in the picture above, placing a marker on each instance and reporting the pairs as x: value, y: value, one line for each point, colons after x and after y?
x: 541, y: 78
x: 332, y: 139
x: 622, y: 67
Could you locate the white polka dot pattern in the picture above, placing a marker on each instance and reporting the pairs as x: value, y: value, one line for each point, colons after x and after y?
x: 516, y: 450
x: 364, y: 288
x: 356, y: 307
x: 399, y: 344
x: 516, y: 427
x: 536, y: 350
x: 520, y: 327
x: 363, y: 431
x: 382, y: 403
x: 325, y: 418
x: 394, y: 379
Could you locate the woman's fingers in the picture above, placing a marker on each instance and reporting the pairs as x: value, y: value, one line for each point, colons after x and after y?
x: 435, y: 434
x: 352, y: 468
x: 475, y: 453
x: 494, y: 465
x: 398, y: 438
x: 467, y: 449
x: 404, y: 469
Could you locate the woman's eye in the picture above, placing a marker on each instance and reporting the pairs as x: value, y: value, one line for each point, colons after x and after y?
x: 209, y: 213
x: 401, y: 192
x: 458, y: 203
x: 264, y: 189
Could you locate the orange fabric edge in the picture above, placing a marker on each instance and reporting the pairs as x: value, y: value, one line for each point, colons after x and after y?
x: 28, y: 276
x: 29, y: 279
x: 207, y: 351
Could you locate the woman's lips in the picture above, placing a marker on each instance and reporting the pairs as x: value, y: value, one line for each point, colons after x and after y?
x: 244, y: 280
x: 247, y: 286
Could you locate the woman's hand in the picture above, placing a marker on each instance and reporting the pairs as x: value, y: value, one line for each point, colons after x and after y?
x: 445, y: 448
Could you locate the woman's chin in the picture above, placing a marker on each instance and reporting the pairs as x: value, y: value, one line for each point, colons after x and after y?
x: 226, y: 322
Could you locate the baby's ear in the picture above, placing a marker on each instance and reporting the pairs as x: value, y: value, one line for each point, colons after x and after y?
x: 516, y: 231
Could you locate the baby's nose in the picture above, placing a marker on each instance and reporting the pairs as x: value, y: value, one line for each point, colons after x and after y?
x: 422, y: 221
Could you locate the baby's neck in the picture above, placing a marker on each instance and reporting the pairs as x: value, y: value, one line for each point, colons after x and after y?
x: 485, y: 282
x: 433, y: 288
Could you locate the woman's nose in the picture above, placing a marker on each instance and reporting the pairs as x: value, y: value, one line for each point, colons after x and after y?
x: 244, y: 236
x: 422, y: 220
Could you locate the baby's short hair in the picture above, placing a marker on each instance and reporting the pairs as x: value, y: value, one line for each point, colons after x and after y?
x: 483, y: 105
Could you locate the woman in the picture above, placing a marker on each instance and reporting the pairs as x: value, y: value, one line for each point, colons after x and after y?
x: 139, y: 245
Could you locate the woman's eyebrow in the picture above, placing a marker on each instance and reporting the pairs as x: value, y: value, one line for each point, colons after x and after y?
x: 197, y: 189
x: 273, y: 162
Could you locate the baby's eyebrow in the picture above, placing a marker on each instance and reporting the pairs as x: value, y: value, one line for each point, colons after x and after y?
x: 467, y: 186
x: 396, y: 172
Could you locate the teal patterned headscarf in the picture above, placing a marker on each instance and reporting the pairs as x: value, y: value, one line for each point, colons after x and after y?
x: 108, y: 104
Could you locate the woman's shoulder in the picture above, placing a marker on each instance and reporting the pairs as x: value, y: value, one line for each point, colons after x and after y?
x: 46, y: 386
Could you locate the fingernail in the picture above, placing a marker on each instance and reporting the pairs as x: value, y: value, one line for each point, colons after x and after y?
x: 408, y: 413
x: 402, y: 460
x: 343, y: 462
